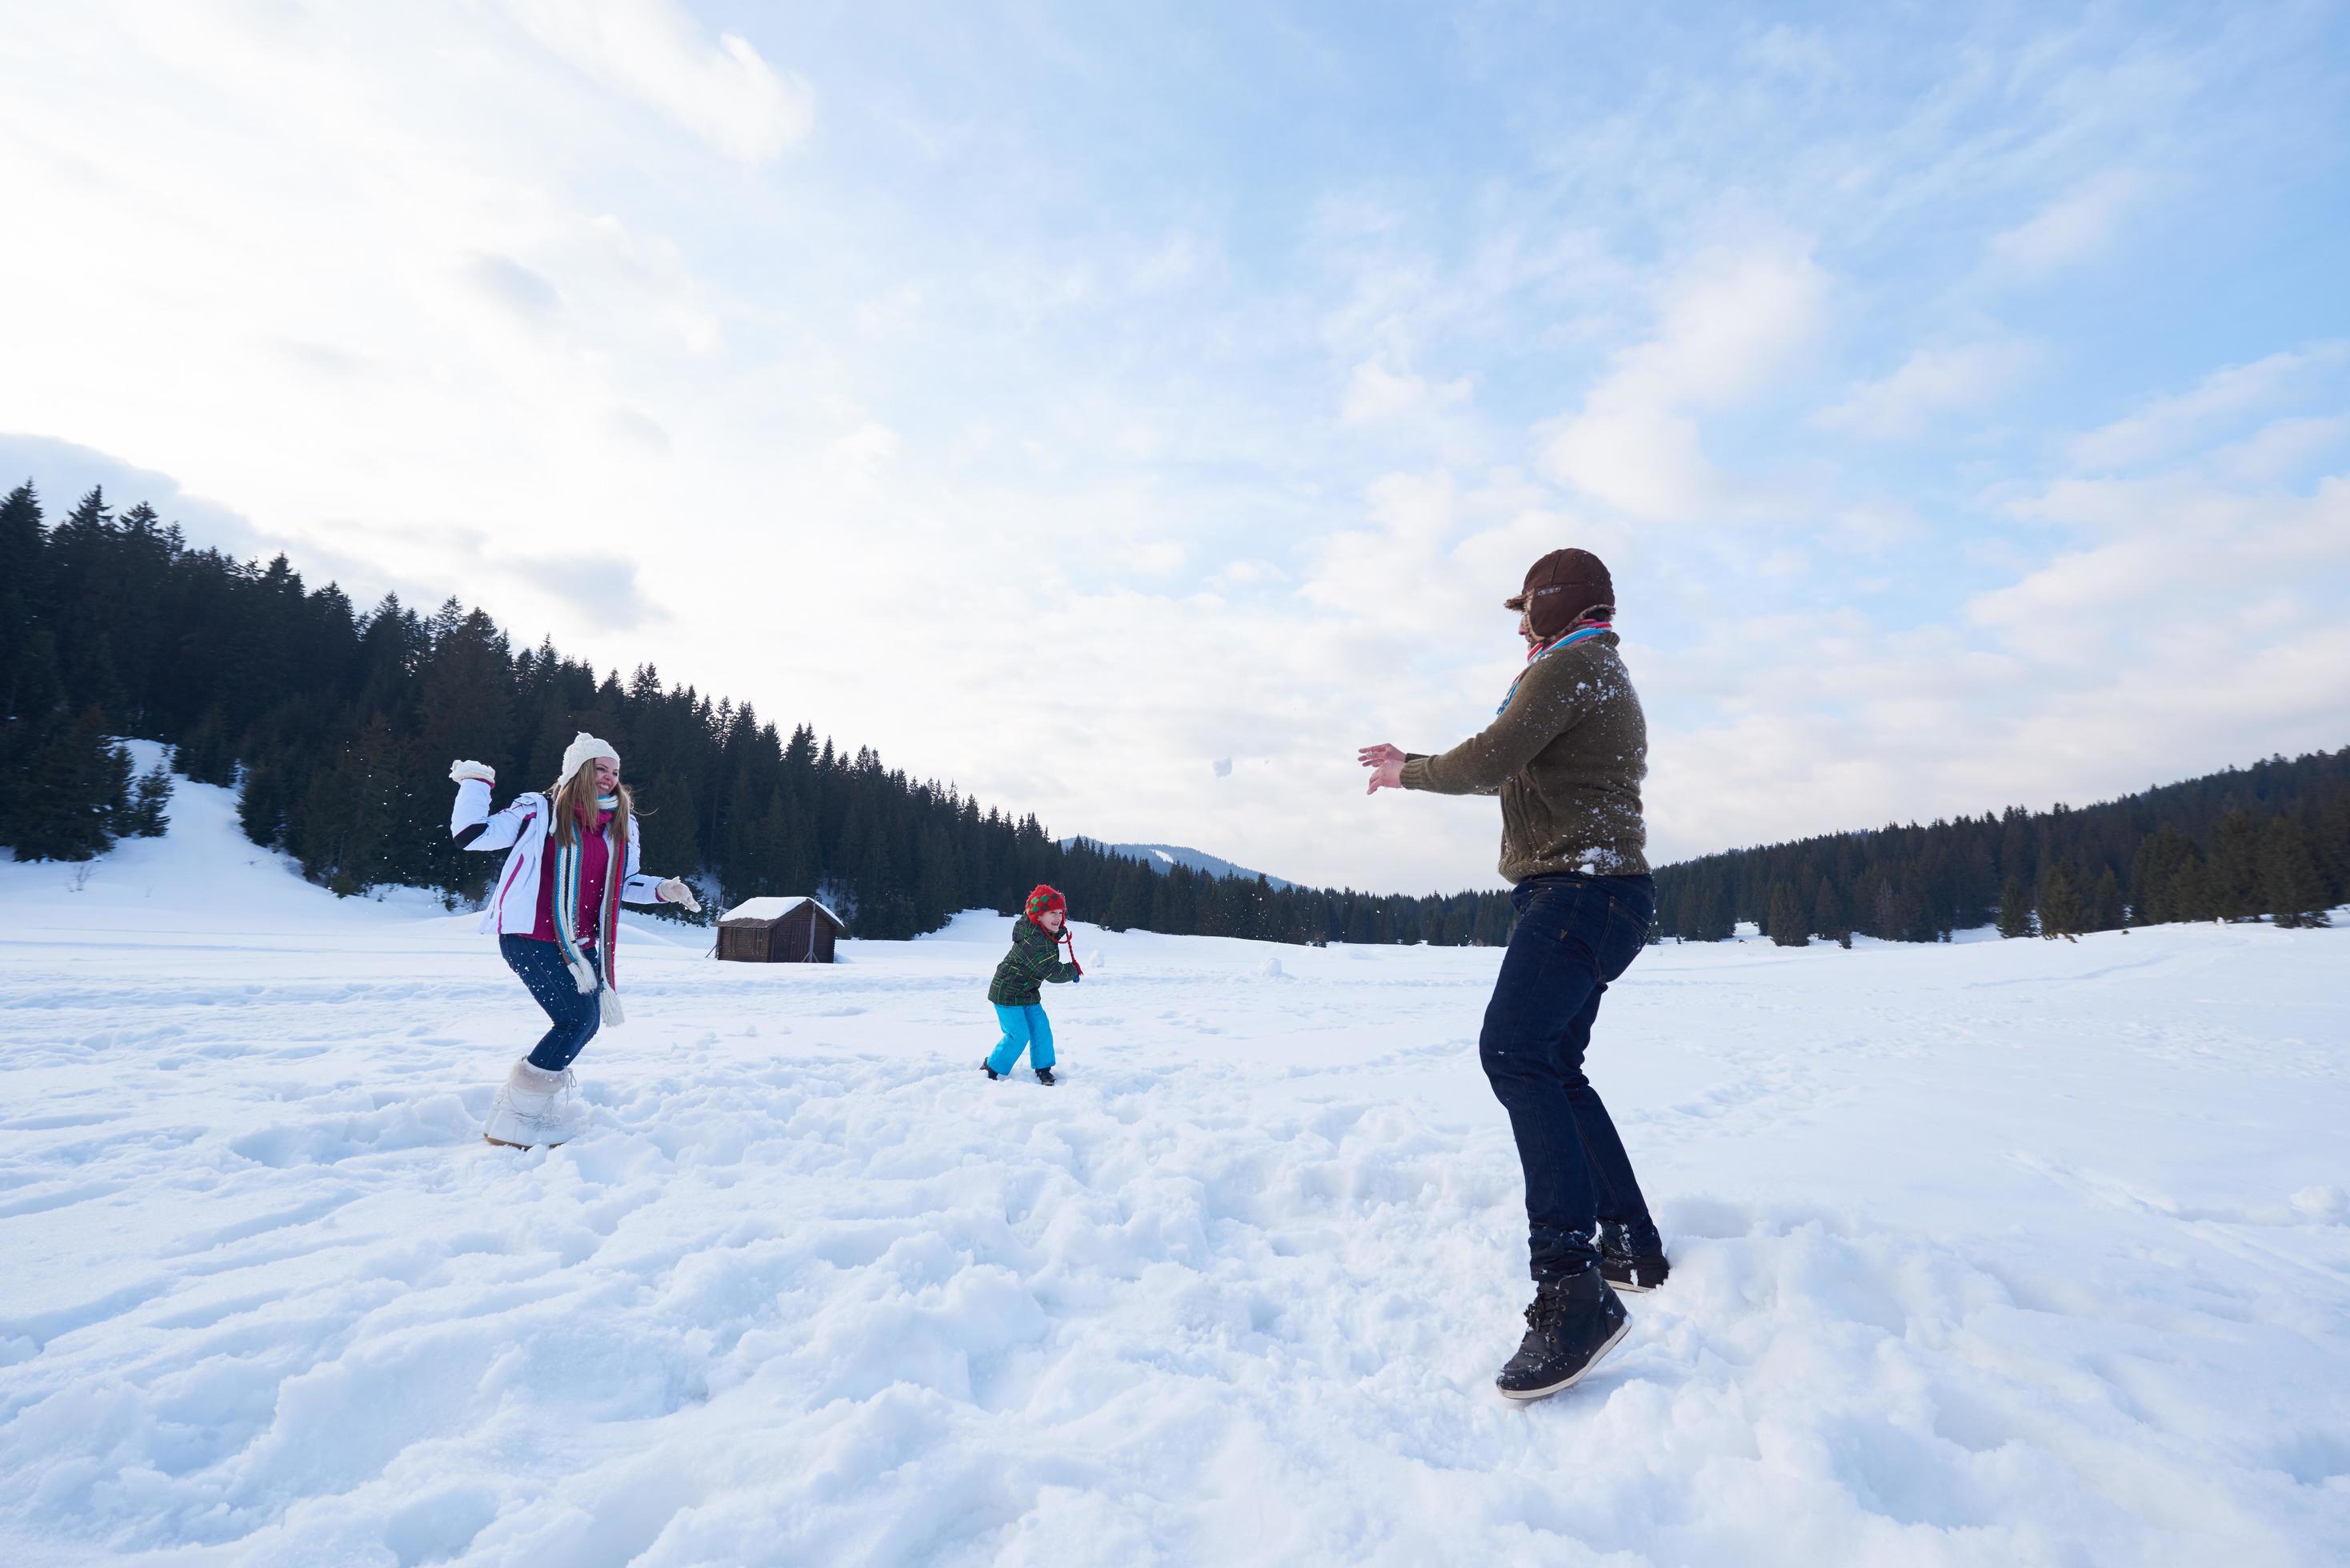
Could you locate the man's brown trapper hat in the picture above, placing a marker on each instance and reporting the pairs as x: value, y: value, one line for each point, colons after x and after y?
x: 1562, y: 587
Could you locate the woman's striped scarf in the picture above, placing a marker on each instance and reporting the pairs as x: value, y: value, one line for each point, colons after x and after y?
x: 566, y: 907
x: 1583, y: 633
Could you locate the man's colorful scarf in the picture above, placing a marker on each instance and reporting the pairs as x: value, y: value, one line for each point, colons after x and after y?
x: 566, y: 897
x: 1583, y: 633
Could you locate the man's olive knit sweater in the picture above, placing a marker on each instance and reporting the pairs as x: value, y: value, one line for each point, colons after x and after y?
x: 1566, y: 756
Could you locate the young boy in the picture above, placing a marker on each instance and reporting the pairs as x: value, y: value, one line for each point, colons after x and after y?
x: 1018, y: 988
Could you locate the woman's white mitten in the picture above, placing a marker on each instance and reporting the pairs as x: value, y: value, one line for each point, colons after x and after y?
x: 582, y: 975
x: 461, y: 771
x: 673, y: 890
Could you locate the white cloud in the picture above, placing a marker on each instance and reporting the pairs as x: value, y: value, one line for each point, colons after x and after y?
x: 1375, y: 395
x: 1930, y: 382
x: 1641, y: 459
x: 2173, y: 554
x: 507, y: 283
x: 2210, y: 632
x: 2070, y: 229
x: 1880, y: 525
x: 864, y: 448
x: 2281, y: 448
x: 2168, y: 429
x: 655, y: 52
x: 1728, y: 325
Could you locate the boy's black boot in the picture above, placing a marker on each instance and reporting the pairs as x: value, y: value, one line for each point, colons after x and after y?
x: 989, y: 1068
x: 1574, y: 1322
x: 1631, y: 1261
x: 1044, y: 1075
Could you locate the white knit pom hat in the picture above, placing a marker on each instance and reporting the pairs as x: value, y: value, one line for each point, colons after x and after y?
x: 584, y: 748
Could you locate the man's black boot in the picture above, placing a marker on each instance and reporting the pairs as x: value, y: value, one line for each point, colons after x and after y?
x: 1573, y: 1322
x: 1630, y: 1261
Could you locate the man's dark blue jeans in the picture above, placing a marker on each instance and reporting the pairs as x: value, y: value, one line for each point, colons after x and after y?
x: 575, y: 1015
x: 1575, y: 936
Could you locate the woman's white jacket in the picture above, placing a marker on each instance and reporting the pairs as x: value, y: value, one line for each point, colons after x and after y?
x: 520, y: 830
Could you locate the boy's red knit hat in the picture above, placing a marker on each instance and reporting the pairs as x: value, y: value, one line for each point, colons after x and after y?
x: 1045, y: 898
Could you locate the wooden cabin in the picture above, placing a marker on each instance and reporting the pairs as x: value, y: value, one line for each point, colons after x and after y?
x: 794, y: 928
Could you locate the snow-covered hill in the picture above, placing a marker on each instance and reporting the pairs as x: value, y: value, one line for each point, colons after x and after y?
x: 1163, y: 857
x: 2005, y: 1253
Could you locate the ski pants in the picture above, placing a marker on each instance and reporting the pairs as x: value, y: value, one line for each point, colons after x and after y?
x: 1024, y: 1029
x: 576, y: 1016
x: 1574, y: 936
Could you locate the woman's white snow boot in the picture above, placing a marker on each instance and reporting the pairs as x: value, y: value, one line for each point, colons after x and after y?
x: 534, y: 1106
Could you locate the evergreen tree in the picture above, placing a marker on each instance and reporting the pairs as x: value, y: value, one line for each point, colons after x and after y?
x: 1827, y: 915
x: 2330, y: 833
x: 150, y: 804
x: 207, y: 757
x: 261, y: 806
x: 2014, y: 910
x: 1784, y: 923
x: 2166, y: 871
x: 2232, y: 870
x: 2105, y: 907
x: 27, y: 734
x: 22, y: 562
x: 1129, y: 903
x: 73, y: 790
x: 2063, y: 911
x: 352, y: 817
x: 2293, y: 886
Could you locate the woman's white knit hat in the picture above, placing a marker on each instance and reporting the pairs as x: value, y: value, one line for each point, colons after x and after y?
x: 584, y: 748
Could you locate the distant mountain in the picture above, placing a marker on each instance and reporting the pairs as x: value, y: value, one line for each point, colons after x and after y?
x: 1160, y: 857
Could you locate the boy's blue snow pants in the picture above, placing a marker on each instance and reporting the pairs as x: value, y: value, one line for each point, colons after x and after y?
x: 1024, y: 1029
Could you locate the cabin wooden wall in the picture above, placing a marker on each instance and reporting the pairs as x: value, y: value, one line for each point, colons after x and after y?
x: 786, y: 941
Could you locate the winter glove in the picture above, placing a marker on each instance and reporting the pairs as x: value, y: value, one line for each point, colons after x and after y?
x: 673, y: 890
x: 459, y: 772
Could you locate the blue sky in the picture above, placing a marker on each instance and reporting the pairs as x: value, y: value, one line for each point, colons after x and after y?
x: 1067, y: 400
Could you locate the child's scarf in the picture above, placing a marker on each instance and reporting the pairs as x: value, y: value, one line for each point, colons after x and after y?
x: 1583, y: 633
x: 567, y: 909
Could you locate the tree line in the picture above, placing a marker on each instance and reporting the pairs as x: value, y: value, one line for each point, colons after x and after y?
x: 338, y: 726
x: 2272, y: 839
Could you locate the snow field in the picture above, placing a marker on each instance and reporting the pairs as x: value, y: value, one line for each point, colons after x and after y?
x: 2009, y: 1253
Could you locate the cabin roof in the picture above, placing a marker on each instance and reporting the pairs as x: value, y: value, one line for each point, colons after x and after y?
x: 776, y: 908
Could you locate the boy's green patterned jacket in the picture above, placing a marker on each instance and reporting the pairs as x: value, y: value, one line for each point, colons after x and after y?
x: 1035, y: 958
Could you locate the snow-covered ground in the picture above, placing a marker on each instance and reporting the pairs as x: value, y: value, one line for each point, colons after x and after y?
x: 2004, y: 1252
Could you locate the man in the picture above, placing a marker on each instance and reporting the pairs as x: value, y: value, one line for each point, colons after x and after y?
x: 1565, y: 754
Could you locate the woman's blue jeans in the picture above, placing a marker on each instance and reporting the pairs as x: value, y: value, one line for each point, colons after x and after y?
x: 576, y: 1015
x: 1573, y: 937
x: 1024, y: 1029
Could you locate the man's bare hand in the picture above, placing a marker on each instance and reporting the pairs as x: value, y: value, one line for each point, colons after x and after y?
x: 1385, y: 763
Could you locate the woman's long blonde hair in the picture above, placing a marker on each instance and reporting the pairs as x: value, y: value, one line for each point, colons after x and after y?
x: 579, y: 791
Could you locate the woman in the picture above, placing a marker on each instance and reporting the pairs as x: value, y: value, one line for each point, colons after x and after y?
x: 1565, y: 754
x: 571, y: 858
